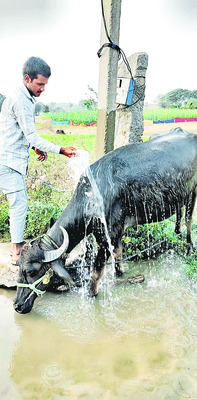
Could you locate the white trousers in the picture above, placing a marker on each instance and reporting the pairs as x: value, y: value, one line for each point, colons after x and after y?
x: 12, y: 183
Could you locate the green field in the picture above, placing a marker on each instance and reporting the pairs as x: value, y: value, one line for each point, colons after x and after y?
x: 77, y: 117
x: 86, y: 117
x: 168, y: 113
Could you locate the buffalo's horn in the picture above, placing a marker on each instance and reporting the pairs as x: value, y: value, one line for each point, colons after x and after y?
x: 52, y: 255
x: 62, y: 273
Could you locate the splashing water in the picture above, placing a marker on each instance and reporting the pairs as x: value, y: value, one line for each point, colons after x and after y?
x: 100, y: 212
x: 77, y: 166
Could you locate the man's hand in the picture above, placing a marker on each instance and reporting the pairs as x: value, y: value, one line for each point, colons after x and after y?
x: 68, y: 151
x: 42, y: 156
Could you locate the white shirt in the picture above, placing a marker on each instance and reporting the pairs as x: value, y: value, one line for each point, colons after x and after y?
x: 18, y: 132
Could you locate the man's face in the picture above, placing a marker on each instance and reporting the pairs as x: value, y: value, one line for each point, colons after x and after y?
x: 37, y: 85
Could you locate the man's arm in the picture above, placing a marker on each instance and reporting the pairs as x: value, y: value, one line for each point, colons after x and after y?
x: 25, y: 118
x: 68, y: 151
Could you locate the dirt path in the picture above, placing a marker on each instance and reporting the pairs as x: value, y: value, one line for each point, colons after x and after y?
x: 151, y: 129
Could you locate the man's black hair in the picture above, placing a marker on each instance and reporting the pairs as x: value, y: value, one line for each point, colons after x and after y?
x: 34, y: 66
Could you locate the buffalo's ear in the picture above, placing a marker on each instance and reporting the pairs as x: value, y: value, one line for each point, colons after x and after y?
x: 52, y: 221
x: 61, y: 272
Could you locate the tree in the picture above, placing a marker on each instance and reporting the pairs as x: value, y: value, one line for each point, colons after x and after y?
x: 38, y: 108
x: 193, y: 94
x: 70, y: 105
x: 161, y: 101
x: 92, y: 101
x: 192, y: 103
x: 88, y: 104
x: 2, y: 98
x: 95, y: 94
x: 176, y: 98
x: 45, y: 109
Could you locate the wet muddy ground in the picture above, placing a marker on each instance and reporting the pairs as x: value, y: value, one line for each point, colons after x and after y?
x: 131, y: 342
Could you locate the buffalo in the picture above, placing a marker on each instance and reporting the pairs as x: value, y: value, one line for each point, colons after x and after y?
x: 134, y: 184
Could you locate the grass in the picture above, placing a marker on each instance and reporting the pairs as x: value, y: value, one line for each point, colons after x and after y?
x: 81, y: 141
x: 190, y: 262
x: 78, y: 117
x: 168, y: 113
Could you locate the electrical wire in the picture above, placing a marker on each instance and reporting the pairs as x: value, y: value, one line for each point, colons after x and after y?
x: 104, y: 21
x: 49, y: 186
x: 138, y: 90
x: 113, y: 45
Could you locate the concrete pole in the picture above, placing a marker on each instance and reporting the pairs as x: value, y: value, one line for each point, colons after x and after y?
x: 108, y: 79
x: 130, y: 120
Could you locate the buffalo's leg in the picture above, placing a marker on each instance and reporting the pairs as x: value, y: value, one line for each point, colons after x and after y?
x: 102, y: 256
x: 118, y: 256
x: 98, y: 268
x: 188, y: 218
x: 179, y: 215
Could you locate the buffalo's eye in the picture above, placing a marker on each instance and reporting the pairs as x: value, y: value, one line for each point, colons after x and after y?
x: 32, y: 269
x: 37, y: 266
x: 31, y: 272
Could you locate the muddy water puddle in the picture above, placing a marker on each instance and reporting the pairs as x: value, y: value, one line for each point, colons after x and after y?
x: 138, y: 342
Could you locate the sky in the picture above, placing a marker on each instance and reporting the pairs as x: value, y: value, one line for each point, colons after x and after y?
x: 66, y: 34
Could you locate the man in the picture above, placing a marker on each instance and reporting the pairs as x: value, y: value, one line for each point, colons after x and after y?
x: 17, y: 135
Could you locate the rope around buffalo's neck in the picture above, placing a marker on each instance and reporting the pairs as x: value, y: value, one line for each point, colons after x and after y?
x: 32, y: 286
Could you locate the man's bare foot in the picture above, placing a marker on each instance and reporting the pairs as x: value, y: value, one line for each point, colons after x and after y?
x: 16, y: 250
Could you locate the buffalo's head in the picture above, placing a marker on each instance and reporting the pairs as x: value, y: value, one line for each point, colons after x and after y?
x: 36, y: 267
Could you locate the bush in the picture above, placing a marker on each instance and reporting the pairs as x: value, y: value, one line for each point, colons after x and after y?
x: 4, y: 220
x: 39, y: 214
x: 38, y: 218
x: 150, y: 240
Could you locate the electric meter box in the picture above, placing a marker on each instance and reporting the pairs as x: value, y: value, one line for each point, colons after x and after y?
x: 125, y: 88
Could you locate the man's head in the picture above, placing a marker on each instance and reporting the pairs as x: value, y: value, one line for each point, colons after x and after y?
x: 35, y: 74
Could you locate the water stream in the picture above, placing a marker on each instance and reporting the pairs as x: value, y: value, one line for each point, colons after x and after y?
x: 94, y: 206
x: 142, y: 345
